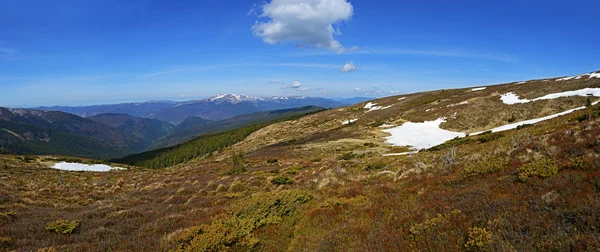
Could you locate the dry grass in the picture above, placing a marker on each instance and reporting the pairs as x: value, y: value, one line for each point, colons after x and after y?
x: 364, y: 203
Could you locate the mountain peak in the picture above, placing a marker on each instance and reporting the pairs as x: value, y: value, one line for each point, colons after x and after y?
x: 232, y: 98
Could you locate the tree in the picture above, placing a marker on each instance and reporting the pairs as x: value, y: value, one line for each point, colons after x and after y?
x: 238, y: 163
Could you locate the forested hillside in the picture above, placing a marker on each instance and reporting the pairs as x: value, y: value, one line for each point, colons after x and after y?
x: 206, y: 144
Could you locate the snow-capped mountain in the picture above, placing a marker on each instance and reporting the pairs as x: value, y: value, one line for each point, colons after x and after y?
x: 225, y: 106
x: 217, y: 107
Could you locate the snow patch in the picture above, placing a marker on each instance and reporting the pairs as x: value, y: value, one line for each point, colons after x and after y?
x: 387, y: 126
x: 420, y: 135
x: 428, y: 134
x: 401, y: 98
x: 512, y: 98
x: 478, y: 89
x: 456, y: 104
x: 349, y: 121
x: 399, y: 154
x: 532, y: 121
x: 369, y: 105
x: 84, y: 167
x: 373, y: 106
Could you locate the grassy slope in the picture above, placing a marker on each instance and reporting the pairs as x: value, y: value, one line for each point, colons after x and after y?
x: 194, y: 127
x: 536, y: 188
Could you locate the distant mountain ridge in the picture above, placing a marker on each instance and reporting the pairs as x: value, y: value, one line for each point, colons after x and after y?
x: 215, y: 108
x: 141, y: 109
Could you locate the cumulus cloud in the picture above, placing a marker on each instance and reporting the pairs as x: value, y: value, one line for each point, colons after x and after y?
x: 348, y: 67
x: 296, y: 86
x: 306, y: 22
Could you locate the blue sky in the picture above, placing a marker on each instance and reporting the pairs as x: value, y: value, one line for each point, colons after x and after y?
x: 89, y: 52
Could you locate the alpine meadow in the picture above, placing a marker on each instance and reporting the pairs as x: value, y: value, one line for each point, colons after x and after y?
x: 299, y: 125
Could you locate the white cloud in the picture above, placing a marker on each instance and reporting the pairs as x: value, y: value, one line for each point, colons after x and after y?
x: 348, y: 67
x: 296, y: 86
x: 307, y: 22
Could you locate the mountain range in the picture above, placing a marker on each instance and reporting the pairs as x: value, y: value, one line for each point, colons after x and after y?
x: 214, y: 108
x: 110, y: 135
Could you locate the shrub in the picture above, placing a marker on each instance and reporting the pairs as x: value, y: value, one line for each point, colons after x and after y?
x: 484, y: 166
x: 488, y: 137
x: 479, y: 239
x: 376, y: 124
x: 235, y: 228
x: 511, y: 119
x: 431, y: 225
x: 238, y: 164
x: 272, y: 161
x: 7, y: 214
x: 282, y: 180
x: 542, y: 168
x: 62, y: 226
x: 375, y: 166
x: 369, y: 145
x: 522, y: 126
x: 6, y: 243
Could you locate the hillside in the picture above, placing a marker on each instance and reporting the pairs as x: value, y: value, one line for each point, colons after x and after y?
x: 509, y: 167
x: 195, y: 126
x: 42, y: 122
x: 147, y: 130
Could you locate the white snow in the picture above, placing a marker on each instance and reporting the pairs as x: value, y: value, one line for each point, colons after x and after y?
x: 522, y: 82
x: 456, y: 104
x: 428, y: 134
x: 84, y: 167
x: 401, y: 98
x: 577, y: 77
x: 373, y: 106
x: 512, y: 98
x: 420, y: 135
x: 399, y: 154
x: 532, y: 121
x: 369, y: 105
x: 478, y: 89
x: 387, y: 126
x: 349, y: 121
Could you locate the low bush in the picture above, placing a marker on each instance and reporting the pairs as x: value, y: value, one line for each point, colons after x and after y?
x: 544, y: 168
x: 484, y: 166
x: 479, y: 239
x: 62, y: 226
x: 272, y: 161
x: 282, y: 180
x: 6, y: 243
x: 375, y: 166
x: 235, y: 228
